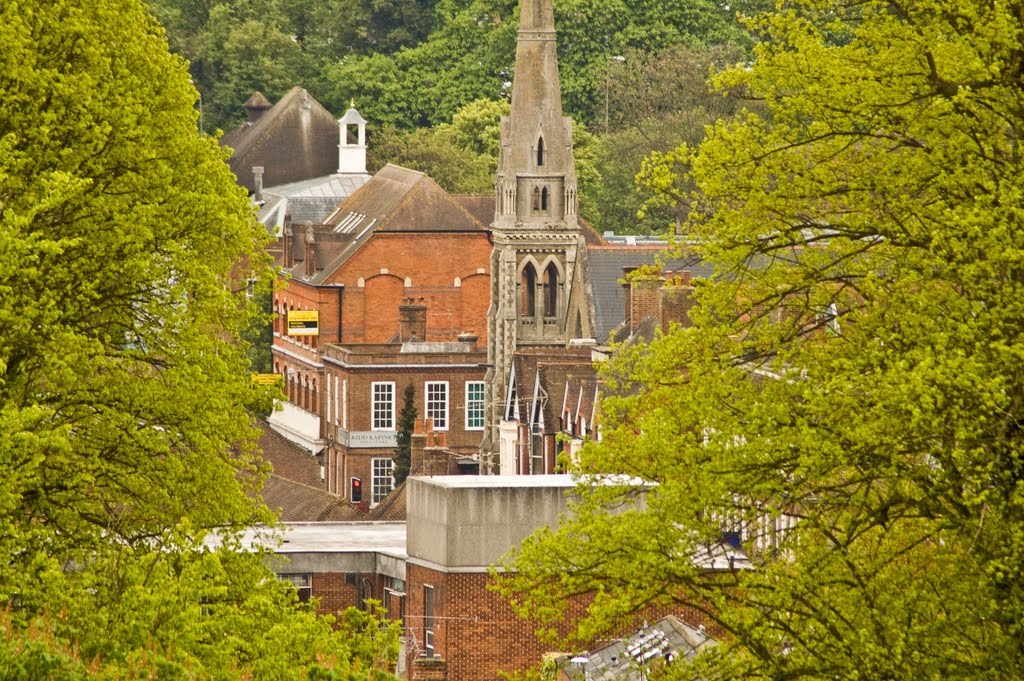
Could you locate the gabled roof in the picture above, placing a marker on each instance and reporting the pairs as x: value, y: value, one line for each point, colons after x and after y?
x: 295, y: 139
x: 540, y: 376
x: 396, y: 199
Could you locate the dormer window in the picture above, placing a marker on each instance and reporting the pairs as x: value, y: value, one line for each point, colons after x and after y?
x: 540, y: 151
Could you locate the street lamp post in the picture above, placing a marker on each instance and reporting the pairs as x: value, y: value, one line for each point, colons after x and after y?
x: 607, y: 82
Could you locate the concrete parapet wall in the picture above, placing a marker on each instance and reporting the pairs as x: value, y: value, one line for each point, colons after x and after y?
x: 461, y: 522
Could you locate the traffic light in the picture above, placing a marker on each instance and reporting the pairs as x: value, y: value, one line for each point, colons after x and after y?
x: 357, y: 490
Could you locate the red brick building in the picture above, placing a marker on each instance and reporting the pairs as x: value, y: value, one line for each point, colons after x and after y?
x: 391, y: 290
x: 365, y: 387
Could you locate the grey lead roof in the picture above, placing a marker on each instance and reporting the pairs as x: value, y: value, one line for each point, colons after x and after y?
x: 307, y: 201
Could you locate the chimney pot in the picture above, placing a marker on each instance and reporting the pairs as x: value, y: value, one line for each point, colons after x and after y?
x: 257, y: 178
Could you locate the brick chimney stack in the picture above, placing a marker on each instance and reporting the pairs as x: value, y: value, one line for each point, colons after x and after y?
x: 310, y: 261
x: 288, y: 247
x: 677, y: 300
x: 412, y: 320
x: 429, y: 453
x: 644, y: 300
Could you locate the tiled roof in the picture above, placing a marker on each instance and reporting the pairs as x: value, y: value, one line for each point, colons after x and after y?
x: 396, y: 199
x: 392, y: 507
x: 554, y: 366
x: 295, y: 502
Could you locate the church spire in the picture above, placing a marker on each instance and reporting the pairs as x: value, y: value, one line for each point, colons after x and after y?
x: 536, y: 174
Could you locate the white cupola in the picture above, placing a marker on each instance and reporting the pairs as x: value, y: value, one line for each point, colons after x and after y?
x: 352, y: 146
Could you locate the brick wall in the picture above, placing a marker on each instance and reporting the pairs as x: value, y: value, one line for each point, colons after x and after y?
x: 442, y: 269
x: 478, y: 635
x: 339, y: 590
x: 335, y: 590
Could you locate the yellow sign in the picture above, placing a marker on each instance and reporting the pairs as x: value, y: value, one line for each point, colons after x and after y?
x: 267, y: 379
x: 303, y: 322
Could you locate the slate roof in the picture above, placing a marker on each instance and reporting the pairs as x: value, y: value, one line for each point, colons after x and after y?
x: 634, y: 657
x: 609, y: 264
x: 480, y: 207
x: 295, y: 139
x: 258, y: 100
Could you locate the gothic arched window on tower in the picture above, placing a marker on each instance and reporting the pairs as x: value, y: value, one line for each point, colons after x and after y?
x: 544, y: 200
x: 536, y: 199
x: 528, y: 292
x: 551, y: 290
x: 540, y: 151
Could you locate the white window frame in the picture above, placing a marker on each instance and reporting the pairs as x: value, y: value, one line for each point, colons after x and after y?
x: 431, y: 410
x: 471, y: 403
x: 382, y: 479
x: 378, y: 401
x: 302, y: 581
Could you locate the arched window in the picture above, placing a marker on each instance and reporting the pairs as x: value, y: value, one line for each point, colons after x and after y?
x: 551, y: 290
x: 544, y: 199
x: 540, y: 151
x: 528, y: 292
x: 536, y: 198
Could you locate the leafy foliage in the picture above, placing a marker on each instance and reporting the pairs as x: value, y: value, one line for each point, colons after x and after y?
x: 655, y: 102
x: 856, y: 366
x: 125, y: 428
x: 406, y: 426
x: 415, y: 63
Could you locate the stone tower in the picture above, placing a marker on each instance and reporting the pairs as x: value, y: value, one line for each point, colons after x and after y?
x: 538, y: 273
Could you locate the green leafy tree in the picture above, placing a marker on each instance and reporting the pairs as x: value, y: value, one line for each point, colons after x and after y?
x: 406, y: 426
x: 470, y: 53
x: 855, y: 367
x: 655, y: 102
x: 125, y: 398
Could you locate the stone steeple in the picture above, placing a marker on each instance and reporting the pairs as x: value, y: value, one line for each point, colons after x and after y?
x: 538, y: 265
x: 536, y: 180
